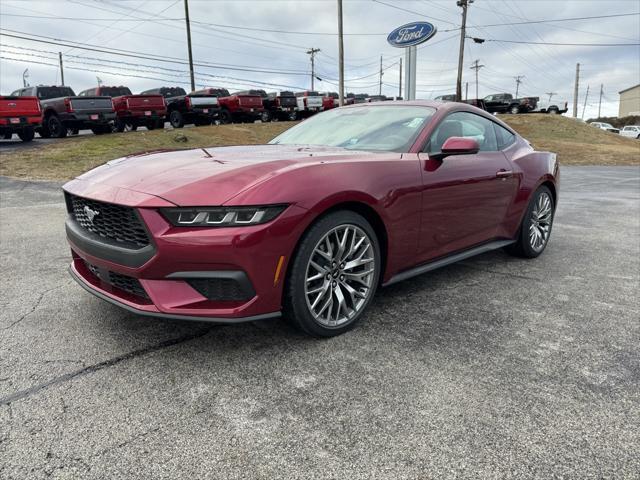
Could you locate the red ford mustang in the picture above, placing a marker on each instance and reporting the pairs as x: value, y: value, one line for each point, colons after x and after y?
x: 312, y: 223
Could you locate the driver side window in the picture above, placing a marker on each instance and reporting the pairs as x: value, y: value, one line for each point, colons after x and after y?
x: 464, y: 124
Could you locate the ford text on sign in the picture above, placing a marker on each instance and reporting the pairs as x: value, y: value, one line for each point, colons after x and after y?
x: 411, y: 34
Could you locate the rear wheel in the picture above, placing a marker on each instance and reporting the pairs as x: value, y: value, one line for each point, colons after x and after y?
x: 536, y: 225
x: 265, y: 116
x: 55, y: 127
x: 515, y: 109
x: 176, y: 119
x: 334, y: 275
x: 553, y: 111
x: 27, y: 134
x: 225, y: 117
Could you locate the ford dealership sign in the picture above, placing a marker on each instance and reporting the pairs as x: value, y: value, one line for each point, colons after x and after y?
x: 411, y: 34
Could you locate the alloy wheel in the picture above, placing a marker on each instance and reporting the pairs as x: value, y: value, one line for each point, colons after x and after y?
x: 540, y: 225
x: 339, y: 275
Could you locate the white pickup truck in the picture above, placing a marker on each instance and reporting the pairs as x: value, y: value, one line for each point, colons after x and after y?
x: 553, y: 106
x: 632, y: 131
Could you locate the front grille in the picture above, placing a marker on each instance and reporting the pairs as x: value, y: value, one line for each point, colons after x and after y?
x: 114, y: 222
x: 219, y: 289
x: 123, y: 282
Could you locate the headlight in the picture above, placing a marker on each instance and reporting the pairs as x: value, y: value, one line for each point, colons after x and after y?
x: 221, y: 216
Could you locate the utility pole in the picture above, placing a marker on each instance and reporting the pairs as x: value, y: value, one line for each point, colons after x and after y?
x: 186, y: 17
x: 400, y: 82
x: 518, y: 82
x: 600, y: 101
x: 313, y: 52
x: 380, y: 85
x: 464, y: 4
x: 25, y: 75
x: 551, y: 94
x: 585, y: 102
x: 466, y: 91
x: 61, y: 69
x: 341, y: 57
x: 575, y: 92
x: 476, y: 66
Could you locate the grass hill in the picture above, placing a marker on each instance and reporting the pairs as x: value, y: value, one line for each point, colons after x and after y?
x: 575, y: 142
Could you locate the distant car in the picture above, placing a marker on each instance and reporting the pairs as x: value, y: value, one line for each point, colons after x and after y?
x: 553, y: 106
x: 20, y: 115
x: 279, y: 105
x: 132, y: 111
x: 605, y: 126
x: 505, y: 103
x: 313, y: 223
x: 309, y: 103
x: 632, y: 131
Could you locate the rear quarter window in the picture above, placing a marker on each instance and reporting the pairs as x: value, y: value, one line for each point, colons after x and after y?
x: 504, y: 137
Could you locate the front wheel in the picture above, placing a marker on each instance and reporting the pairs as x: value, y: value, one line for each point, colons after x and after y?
x: 515, y: 109
x: 334, y: 275
x: 265, y: 116
x: 536, y: 225
x: 553, y: 111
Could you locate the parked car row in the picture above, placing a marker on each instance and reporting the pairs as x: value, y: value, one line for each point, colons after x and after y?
x: 56, y: 111
x: 631, y: 131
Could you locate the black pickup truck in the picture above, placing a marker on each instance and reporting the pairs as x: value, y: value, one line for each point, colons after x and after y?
x: 64, y: 111
x: 194, y: 108
x: 278, y: 105
x: 505, y: 103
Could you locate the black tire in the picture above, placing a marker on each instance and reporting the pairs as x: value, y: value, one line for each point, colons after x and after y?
x: 265, y: 116
x: 225, y: 117
x: 7, y: 136
x: 296, y: 309
x: 27, y: 134
x: 293, y: 116
x: 56, y: 127
x: 151, y: 125
x: 176, y: 119
x: 522, y: 247
x: 119, y: 126
x: 514, y: 109
x: 553, y: 111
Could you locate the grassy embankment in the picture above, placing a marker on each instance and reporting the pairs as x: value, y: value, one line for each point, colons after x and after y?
x: 575, y: 143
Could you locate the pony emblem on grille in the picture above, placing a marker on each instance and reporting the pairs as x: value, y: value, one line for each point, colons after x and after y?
x: 91, y: 214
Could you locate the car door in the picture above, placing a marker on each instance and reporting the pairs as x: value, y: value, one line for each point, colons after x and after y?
x: 465, y: 197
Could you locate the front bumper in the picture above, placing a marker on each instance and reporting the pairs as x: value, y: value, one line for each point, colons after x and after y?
x: 167, y: 271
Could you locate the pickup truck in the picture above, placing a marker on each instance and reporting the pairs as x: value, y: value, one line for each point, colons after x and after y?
x: 132, y: 111
x: 330, y: 100
x: 505, y: 103
x: 308, y: 103
x: 279, y: 106
x: 245, y: 106
x: 605, y: 126
x: 20, y: 115
x: 64, y: 111
x: 182, y: 109
x: 553, y: 106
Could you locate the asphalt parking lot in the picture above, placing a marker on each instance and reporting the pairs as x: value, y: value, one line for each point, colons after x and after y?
x: 493, y: 368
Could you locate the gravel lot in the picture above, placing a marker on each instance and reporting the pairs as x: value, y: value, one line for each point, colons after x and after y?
x: 493, y: 368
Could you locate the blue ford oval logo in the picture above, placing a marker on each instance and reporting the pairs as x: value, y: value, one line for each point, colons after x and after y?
x: 411, y: 34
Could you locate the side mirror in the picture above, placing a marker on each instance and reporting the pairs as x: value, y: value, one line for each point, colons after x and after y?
x: 459, y: 146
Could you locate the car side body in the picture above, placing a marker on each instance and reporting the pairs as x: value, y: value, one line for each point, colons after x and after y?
x: 425, y: 209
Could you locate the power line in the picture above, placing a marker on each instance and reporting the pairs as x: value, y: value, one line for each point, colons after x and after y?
x: 566, y: 44
x: 528, y: 22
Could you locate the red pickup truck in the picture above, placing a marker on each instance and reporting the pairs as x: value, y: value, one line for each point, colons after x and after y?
x: 237, y: 107
x: 132, y: 111
x: 21, y: 115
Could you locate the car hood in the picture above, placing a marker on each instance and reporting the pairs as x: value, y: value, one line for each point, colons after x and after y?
x: 209, y: 176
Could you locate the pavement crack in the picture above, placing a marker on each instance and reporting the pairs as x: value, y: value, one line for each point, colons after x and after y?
x: 19, y: 395
x: 34, y: 307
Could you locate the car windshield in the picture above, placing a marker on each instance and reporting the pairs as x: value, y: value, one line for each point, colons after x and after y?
x: 45, y: 93
x: 606, y: 125
x: 383, y: 128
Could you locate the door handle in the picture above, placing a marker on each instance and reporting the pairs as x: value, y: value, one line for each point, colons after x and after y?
x: 504, y: 173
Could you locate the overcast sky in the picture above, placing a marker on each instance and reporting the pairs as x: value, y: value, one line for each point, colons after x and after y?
x: 156, y: 27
